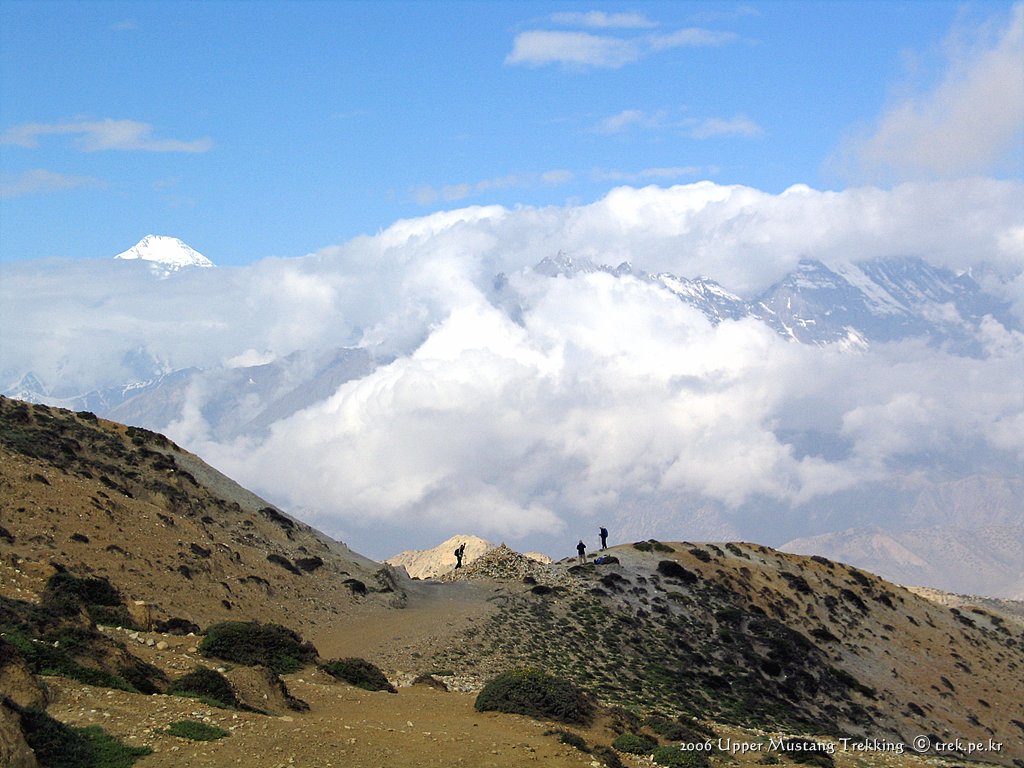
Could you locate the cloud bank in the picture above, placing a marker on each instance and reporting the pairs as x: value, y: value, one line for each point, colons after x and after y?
x: 533, y: 408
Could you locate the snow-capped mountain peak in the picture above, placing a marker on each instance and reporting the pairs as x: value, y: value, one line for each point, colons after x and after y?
x: 170, y: 253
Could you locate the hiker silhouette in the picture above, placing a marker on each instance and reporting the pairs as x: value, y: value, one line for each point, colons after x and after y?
x: 581, y: 548
x: 459, y: 552
x: 604, y: 537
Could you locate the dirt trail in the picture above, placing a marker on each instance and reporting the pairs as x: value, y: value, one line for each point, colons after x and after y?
x: 345, y: 726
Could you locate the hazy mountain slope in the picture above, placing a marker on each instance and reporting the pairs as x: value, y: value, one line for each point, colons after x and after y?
x: 987, y: 559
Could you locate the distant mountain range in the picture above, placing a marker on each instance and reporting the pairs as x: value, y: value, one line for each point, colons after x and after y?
x: 849, y: 308
x: 878, y: 300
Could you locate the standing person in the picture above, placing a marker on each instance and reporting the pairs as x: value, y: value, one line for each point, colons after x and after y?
x: 604, y: 538
x: 459, y: 552
x: 581, y: 548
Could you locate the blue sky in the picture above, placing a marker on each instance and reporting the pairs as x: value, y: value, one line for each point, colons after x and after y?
x: 275, y: 129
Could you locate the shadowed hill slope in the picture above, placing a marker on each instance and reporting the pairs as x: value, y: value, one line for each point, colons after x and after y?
x: 127, y: 504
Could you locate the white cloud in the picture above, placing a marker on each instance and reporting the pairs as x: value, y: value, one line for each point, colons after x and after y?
x: 603, y: 20
x: 693, y: 127
x: 712, y: 127
x: 530, y: 409
x: 652, y: 174
x: 629, y: 118
x: 536, y: 48
x: 693, y: 37
x: 102, y: 135
x: 39, y: 180
x: 970, y: 122
x: 428, y: 195
x: 585, y: 50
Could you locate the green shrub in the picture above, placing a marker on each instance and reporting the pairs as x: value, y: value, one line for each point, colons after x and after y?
x: 635, y: 744
x: 206, y: 684
x: 537, y: 694
x: 608, y: 757
x: 670, y: 569
x: 108, y: 752
x: 681, y: 729
x: 360, y: 673
x: 674, y: 757
x: 112, y: 616
x: 88, y: 591
x: 570, y: 738
x: 45, y: 659
x: 700, y: 554
x: 251, y: 643
x: 57, y: 745
x: 195, y: 730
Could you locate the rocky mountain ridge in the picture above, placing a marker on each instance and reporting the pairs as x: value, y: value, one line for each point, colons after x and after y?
x: 854, y: 304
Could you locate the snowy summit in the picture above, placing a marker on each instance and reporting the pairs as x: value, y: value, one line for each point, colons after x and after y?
x: 170, y: 253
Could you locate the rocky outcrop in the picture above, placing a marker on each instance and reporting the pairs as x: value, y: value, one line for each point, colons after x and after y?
x: 431, y: 563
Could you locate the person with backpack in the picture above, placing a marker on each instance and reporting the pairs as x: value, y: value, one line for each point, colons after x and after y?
x: 604, y: 537
x: 459, y: 552
x: 581, y: 549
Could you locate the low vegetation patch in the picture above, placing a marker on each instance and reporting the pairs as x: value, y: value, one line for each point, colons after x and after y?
x: 57, y: 745
x: 252, y: 643
x: 196, y: 731
x: 207, y: 685
x: 360, y: 673
x: 67, y: 594
x: 607, y: 756
x: 674, y: 757
x: 652, y: 545
x: 670, y: 569
x: 537, y: 694
x: 635, y: 744
x: 570, y: 738
x: 52, y: 655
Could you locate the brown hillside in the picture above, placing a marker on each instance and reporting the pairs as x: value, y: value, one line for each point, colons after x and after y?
x: 127, y: 504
